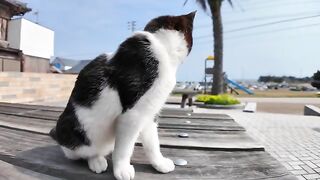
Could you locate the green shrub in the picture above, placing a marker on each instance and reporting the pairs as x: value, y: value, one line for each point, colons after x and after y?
x: 223, y: 99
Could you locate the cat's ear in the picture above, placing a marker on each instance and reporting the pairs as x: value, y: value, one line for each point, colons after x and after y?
x: 191, y: 15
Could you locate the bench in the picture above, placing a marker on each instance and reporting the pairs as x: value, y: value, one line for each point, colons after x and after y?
x: 217, y: 147
x: 187, y: 94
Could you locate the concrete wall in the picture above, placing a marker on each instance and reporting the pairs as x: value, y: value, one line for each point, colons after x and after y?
x: 35, y: 64
x: 17, y: 87
x: 31, y: 38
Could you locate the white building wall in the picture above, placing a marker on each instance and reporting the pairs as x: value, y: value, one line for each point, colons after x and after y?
x: 31, y: 38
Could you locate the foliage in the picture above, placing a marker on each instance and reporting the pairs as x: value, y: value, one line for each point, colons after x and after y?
x: 316, y: 80
x: 222, y: 99
x: 203, y: 3
x: 316, y: 76
x: 280, y: 79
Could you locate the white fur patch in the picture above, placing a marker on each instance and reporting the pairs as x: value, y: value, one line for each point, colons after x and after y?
x: 98, y: 122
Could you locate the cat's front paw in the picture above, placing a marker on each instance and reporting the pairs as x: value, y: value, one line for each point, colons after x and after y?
x: 164, y: 165
x: 98, y: 164
x: 123, y: 172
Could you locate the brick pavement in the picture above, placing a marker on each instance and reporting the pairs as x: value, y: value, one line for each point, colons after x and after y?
x: 293, y: 140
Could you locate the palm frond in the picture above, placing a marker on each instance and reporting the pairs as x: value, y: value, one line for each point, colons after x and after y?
x: 185, y: 2
x: 230, y: 2
x: 202, y: 3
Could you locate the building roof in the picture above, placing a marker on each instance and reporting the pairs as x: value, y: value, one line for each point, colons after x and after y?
x: 16, y: 7
x: 65, y: 62
x: 77, y: 68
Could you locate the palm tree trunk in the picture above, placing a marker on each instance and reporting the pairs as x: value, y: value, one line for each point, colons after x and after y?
x: 217, y: 86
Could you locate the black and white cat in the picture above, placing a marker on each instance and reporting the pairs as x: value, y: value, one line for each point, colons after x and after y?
x: 116, y: 98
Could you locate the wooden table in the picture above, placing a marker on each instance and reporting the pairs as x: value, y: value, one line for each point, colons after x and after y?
x: 217, y: 148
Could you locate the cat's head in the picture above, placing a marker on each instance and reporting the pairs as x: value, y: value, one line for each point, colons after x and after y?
x: 183, y: 24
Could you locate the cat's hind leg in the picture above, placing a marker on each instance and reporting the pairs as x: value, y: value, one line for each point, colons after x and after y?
x: 95, y: 155
x: 96, y: 162
x: 150, y: 142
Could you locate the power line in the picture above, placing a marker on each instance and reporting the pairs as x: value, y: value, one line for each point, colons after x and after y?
x: 278, y: 4
x: 278, y: 30
x: 268, y: 6
x: 239, y: 5
x: 267, y: 32
x: 265, y: 24
x: 272, y: 23
x: 262, y: 18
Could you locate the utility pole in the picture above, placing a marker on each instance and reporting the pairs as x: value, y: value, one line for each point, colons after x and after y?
x: 36, y: 14
x: 132, y: 25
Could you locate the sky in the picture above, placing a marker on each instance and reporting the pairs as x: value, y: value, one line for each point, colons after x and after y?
x: 261, y: 37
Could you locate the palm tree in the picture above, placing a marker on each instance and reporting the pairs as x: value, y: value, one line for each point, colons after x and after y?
x: 215, y: 8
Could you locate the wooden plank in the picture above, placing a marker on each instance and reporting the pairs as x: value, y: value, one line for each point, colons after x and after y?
x: 196, y: 116
x: 11, y: 172
x: 250, y: 107
x: 26, y: 124
x: 38, y: 153
x: 44, y: 126
x: 60, y: 109
x: 200, y: 124
x: 41, y: 112
x: 201, y: 139
x: 28, y: 106
x: 176, y: 110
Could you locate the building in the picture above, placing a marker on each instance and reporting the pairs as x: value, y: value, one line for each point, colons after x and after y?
x: 71, y: 66
x: 24, y: 46
x: 77, y: 68
x: 10, y: 58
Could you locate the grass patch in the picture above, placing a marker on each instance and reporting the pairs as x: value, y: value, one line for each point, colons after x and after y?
x: 223, y: 99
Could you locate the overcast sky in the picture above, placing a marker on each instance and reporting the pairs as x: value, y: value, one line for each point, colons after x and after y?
x: 262, y: 37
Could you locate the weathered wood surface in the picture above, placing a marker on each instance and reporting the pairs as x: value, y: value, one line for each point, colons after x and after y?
x: 214, y: 133
x: 9, y: 171
x: 52, y: 113
x: 217, y: 148
x: 199, y: 137
x: 200, y: 124
x: 39, y: 154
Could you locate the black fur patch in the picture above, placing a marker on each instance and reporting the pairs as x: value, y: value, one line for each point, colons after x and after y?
x: 131, y: 72
x: 90, y: 82
x: 68, y: 131
x: 183, y: 24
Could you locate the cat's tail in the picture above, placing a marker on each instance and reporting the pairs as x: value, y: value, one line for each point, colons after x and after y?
x: 53, y: 134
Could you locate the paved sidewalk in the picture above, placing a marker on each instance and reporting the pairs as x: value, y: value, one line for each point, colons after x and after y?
x: 293, y: 140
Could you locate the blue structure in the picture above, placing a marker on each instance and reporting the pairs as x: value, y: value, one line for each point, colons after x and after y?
x: 239, y: 86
